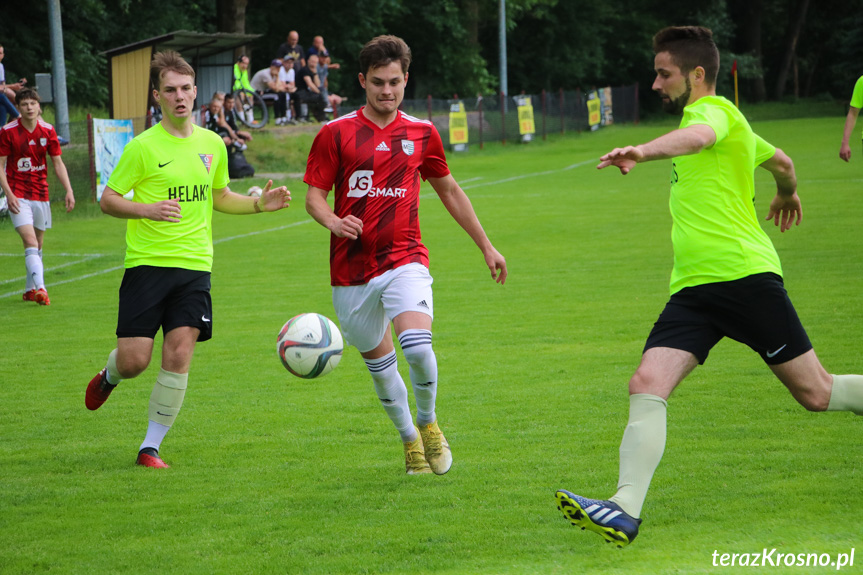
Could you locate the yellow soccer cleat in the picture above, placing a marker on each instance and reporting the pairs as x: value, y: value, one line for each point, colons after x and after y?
x: 415, y: 459
x: 437, y: 451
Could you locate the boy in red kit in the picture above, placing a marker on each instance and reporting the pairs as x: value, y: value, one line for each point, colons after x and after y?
x: 25, y: 144
x: 374, y: 159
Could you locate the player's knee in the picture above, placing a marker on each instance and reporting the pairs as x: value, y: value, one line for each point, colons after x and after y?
x: 131, y: 365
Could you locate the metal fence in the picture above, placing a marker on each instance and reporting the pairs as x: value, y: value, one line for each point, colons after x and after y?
x: 490, y: 118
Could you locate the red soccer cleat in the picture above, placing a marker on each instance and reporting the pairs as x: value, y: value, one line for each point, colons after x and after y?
x: 149, y: 457
x: 29, y: 295
x: 98, y: 391
x: 41, y: 297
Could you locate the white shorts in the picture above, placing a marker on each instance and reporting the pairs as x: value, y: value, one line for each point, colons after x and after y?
x: 365, y: 311
x: 32, y: 213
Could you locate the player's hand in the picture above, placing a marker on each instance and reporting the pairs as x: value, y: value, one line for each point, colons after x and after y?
x: 348, y: 227
x: 12, y: 203
x: 70, y: 202
x: 496, y: 264
x: 274, y: 199
x: 784, y: 210
x: 164, y: 211
x: 623, y: 158
x: 845, y: 152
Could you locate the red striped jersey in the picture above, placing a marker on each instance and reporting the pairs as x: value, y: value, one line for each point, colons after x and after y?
x: 26, y: 158
x: 376, y: 175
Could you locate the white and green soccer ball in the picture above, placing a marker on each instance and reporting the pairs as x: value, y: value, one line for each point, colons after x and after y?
x: 310, y: 345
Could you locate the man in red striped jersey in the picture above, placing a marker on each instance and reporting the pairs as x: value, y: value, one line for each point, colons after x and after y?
x: 374, y: 158
x: 25, y: 144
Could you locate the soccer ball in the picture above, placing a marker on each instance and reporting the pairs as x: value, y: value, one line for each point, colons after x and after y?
x: 310, y: 345
x: 255, y: 191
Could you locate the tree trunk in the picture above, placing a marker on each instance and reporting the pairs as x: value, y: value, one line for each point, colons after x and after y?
x: 795, y: 27
x: 751, y: 36
x: 231, y: 15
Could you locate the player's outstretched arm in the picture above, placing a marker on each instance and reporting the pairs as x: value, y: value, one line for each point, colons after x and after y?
x: 316, y: 204
x: 682, y: 142
x: 786, y: 207
x: 11, y: 200
x: 271, y: 200
x: 850, y: 122
x: 458, y: 205
x: 114, y: 204
x: 63, y: 176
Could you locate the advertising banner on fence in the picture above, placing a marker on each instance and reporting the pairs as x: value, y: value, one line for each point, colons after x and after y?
x: 458, y: 133
x: 109, y: 139
x: 605, y: 106
x: 526, y: 125
x: 594, y: 116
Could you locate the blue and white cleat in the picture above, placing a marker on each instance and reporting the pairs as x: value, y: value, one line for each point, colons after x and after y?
x: 603, y: 517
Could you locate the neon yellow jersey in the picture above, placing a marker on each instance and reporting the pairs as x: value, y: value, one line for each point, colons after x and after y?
x: 716, y: 233
x: 241, y: 79
x: 857, y: 95
x: 159, y: 166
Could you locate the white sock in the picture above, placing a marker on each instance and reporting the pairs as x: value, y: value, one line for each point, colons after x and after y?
x: 35, y: 271
x: 111, y: 373
x: 393, y: 394
x: 641, y: 450
x: 417, y: 346
x: 155, y: 434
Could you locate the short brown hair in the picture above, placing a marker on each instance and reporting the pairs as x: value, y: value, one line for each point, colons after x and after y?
x: 383, y: 50
x: 27, y: 94
x: 690, y: 47
x: 168, y: 61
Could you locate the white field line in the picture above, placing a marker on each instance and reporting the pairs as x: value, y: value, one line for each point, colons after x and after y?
x: 115, y: 268
x: 519, y: 177
x: 258, y: 232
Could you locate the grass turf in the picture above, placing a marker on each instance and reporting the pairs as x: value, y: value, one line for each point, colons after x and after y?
x: 273, y: 474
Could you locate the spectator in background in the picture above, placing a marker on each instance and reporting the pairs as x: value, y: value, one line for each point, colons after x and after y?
x: 213, y: 118
x: 267, y: 82
x: 287, y: 75
x: 230, y: 113
x: 309, y: 90
x: 294, y: 49
x: 7, y: 91
x: 324, y: 67
x: 241, y: 82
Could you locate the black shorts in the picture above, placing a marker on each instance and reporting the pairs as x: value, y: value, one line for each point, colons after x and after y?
x: 153, y: 297
x: 754, y: 310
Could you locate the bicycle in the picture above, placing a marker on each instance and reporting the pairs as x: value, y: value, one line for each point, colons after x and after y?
x: 251, y: 109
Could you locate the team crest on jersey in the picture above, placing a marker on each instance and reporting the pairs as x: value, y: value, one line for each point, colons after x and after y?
x: 207, y: 159
x: 408, y: 147
x: 43, y: 142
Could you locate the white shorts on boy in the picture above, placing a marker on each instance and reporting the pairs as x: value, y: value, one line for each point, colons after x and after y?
x: 31, y: 212
x: 365, y: 311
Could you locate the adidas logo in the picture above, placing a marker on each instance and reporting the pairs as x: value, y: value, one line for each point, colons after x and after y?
x: 310, y: 337
x: 382, y: 147
x: 601, y: 514
x: 423, y: 304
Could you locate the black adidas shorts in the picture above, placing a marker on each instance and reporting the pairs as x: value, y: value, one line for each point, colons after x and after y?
x: 153, y: 297
x: 754, y: 310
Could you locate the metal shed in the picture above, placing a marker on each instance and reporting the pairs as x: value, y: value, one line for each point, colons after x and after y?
x: 211, y: 55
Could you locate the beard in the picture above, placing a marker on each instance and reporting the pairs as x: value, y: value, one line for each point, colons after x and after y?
x: 675, y: 105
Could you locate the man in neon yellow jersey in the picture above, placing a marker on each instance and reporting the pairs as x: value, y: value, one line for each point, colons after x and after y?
x: 726, y: 280
x: 851, y: 119
x: 179, y: 174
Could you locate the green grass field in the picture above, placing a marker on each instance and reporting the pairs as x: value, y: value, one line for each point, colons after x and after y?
x: 273, y: 474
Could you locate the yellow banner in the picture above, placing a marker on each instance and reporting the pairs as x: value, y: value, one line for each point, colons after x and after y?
x: 593, y: 109
x: 525, y: 117
x: 458, y: 133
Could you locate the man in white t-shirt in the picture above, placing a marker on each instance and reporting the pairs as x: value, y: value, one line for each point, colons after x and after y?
x: 287, y: 76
